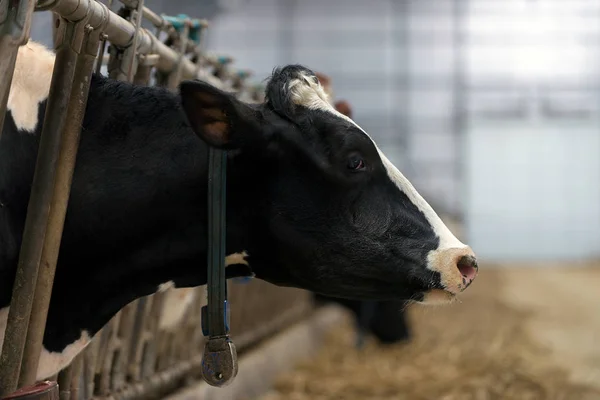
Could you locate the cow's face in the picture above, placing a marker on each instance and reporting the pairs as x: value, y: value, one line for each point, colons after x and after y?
x: 340, y: 218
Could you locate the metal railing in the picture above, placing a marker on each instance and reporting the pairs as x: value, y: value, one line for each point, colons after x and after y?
x: 132, y: 353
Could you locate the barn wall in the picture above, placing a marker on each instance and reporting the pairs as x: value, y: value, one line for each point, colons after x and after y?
x: 533, y: 147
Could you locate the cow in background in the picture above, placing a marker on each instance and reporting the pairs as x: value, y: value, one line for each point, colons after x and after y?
x: 386, y: 320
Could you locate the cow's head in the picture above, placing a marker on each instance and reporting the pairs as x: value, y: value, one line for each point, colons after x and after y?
x: 339, y: 218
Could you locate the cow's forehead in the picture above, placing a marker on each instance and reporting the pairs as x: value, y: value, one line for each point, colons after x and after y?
x: 305, y: 91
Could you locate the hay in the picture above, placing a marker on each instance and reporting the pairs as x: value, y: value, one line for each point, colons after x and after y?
x: 478, y: 349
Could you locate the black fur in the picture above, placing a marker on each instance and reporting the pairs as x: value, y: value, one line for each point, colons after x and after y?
x: 137, y: 212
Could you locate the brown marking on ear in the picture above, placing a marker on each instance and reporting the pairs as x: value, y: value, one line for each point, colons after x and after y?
x: 215, y: 123
x: 207, y: 99
x: 217, y: 132
x: 214, y: 114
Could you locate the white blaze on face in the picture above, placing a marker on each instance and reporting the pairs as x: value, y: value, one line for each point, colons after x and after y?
x: 306, y: 92
x: 51, y: 363
x: 30, y: 84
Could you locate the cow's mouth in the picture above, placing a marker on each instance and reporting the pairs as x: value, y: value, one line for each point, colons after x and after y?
x: 438, y: 297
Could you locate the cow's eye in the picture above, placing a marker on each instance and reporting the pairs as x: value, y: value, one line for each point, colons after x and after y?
x: 356, y: 163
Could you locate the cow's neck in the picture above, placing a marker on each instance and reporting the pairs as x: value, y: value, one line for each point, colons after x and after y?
x: 143, y: 227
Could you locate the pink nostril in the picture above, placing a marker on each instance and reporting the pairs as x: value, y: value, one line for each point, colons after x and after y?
x: 467, y: 266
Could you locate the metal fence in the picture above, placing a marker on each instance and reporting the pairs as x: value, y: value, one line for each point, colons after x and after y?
x: 154, y: 344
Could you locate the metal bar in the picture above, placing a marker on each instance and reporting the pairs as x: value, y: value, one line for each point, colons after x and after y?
x: 116, y: 65
x: 175, y: 76
x: 7, y: 65
x: 81, y: 41
x: 120, y: 32
x: 155, y: 19
x: 44, y: 221
x: 103, y: 40
x: 144, y: 69
x: 64, y: 383
x: 76, y: 383
x: 121, y: 357
x: 129, y: 57
x: 14, y: 31
x: 55, y: 28
x: 36, y: 223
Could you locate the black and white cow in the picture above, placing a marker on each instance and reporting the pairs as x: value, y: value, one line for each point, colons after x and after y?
x: 312, y: 202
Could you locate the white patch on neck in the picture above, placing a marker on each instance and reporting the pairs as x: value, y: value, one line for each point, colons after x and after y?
x: 307, y: 93
x: 30, y: 84
x: 163, y: 287
x: 236, y: 258
x: 51, y: 363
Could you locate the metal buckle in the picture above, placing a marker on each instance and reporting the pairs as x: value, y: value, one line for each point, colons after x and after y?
x: 219, y: 361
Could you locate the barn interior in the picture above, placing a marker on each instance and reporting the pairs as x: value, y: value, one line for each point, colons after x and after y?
x: 491, y: 108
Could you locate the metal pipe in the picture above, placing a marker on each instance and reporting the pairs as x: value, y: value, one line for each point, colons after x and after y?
x: 36, y: 222
x: 7, y: 65
x: 156, y: 20
x: 14, y: 31
x: 144, y: 70
x: 120, y: 32
x: 129, y: 56
x: 65, y: 378
x: 175, y: 76
x: 82, y: 41
x: 103, y: 40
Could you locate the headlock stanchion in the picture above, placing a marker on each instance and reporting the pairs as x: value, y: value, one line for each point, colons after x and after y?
x: 219, y: 361
x: 75, y: 54
x: 83, y: 28
x: 80, y: 40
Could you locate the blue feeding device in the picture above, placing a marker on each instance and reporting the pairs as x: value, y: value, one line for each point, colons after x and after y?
x: 223, y: 60
x: 178, y: 22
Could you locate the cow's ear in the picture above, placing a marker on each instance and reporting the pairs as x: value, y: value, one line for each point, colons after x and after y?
x: 218, y: 117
